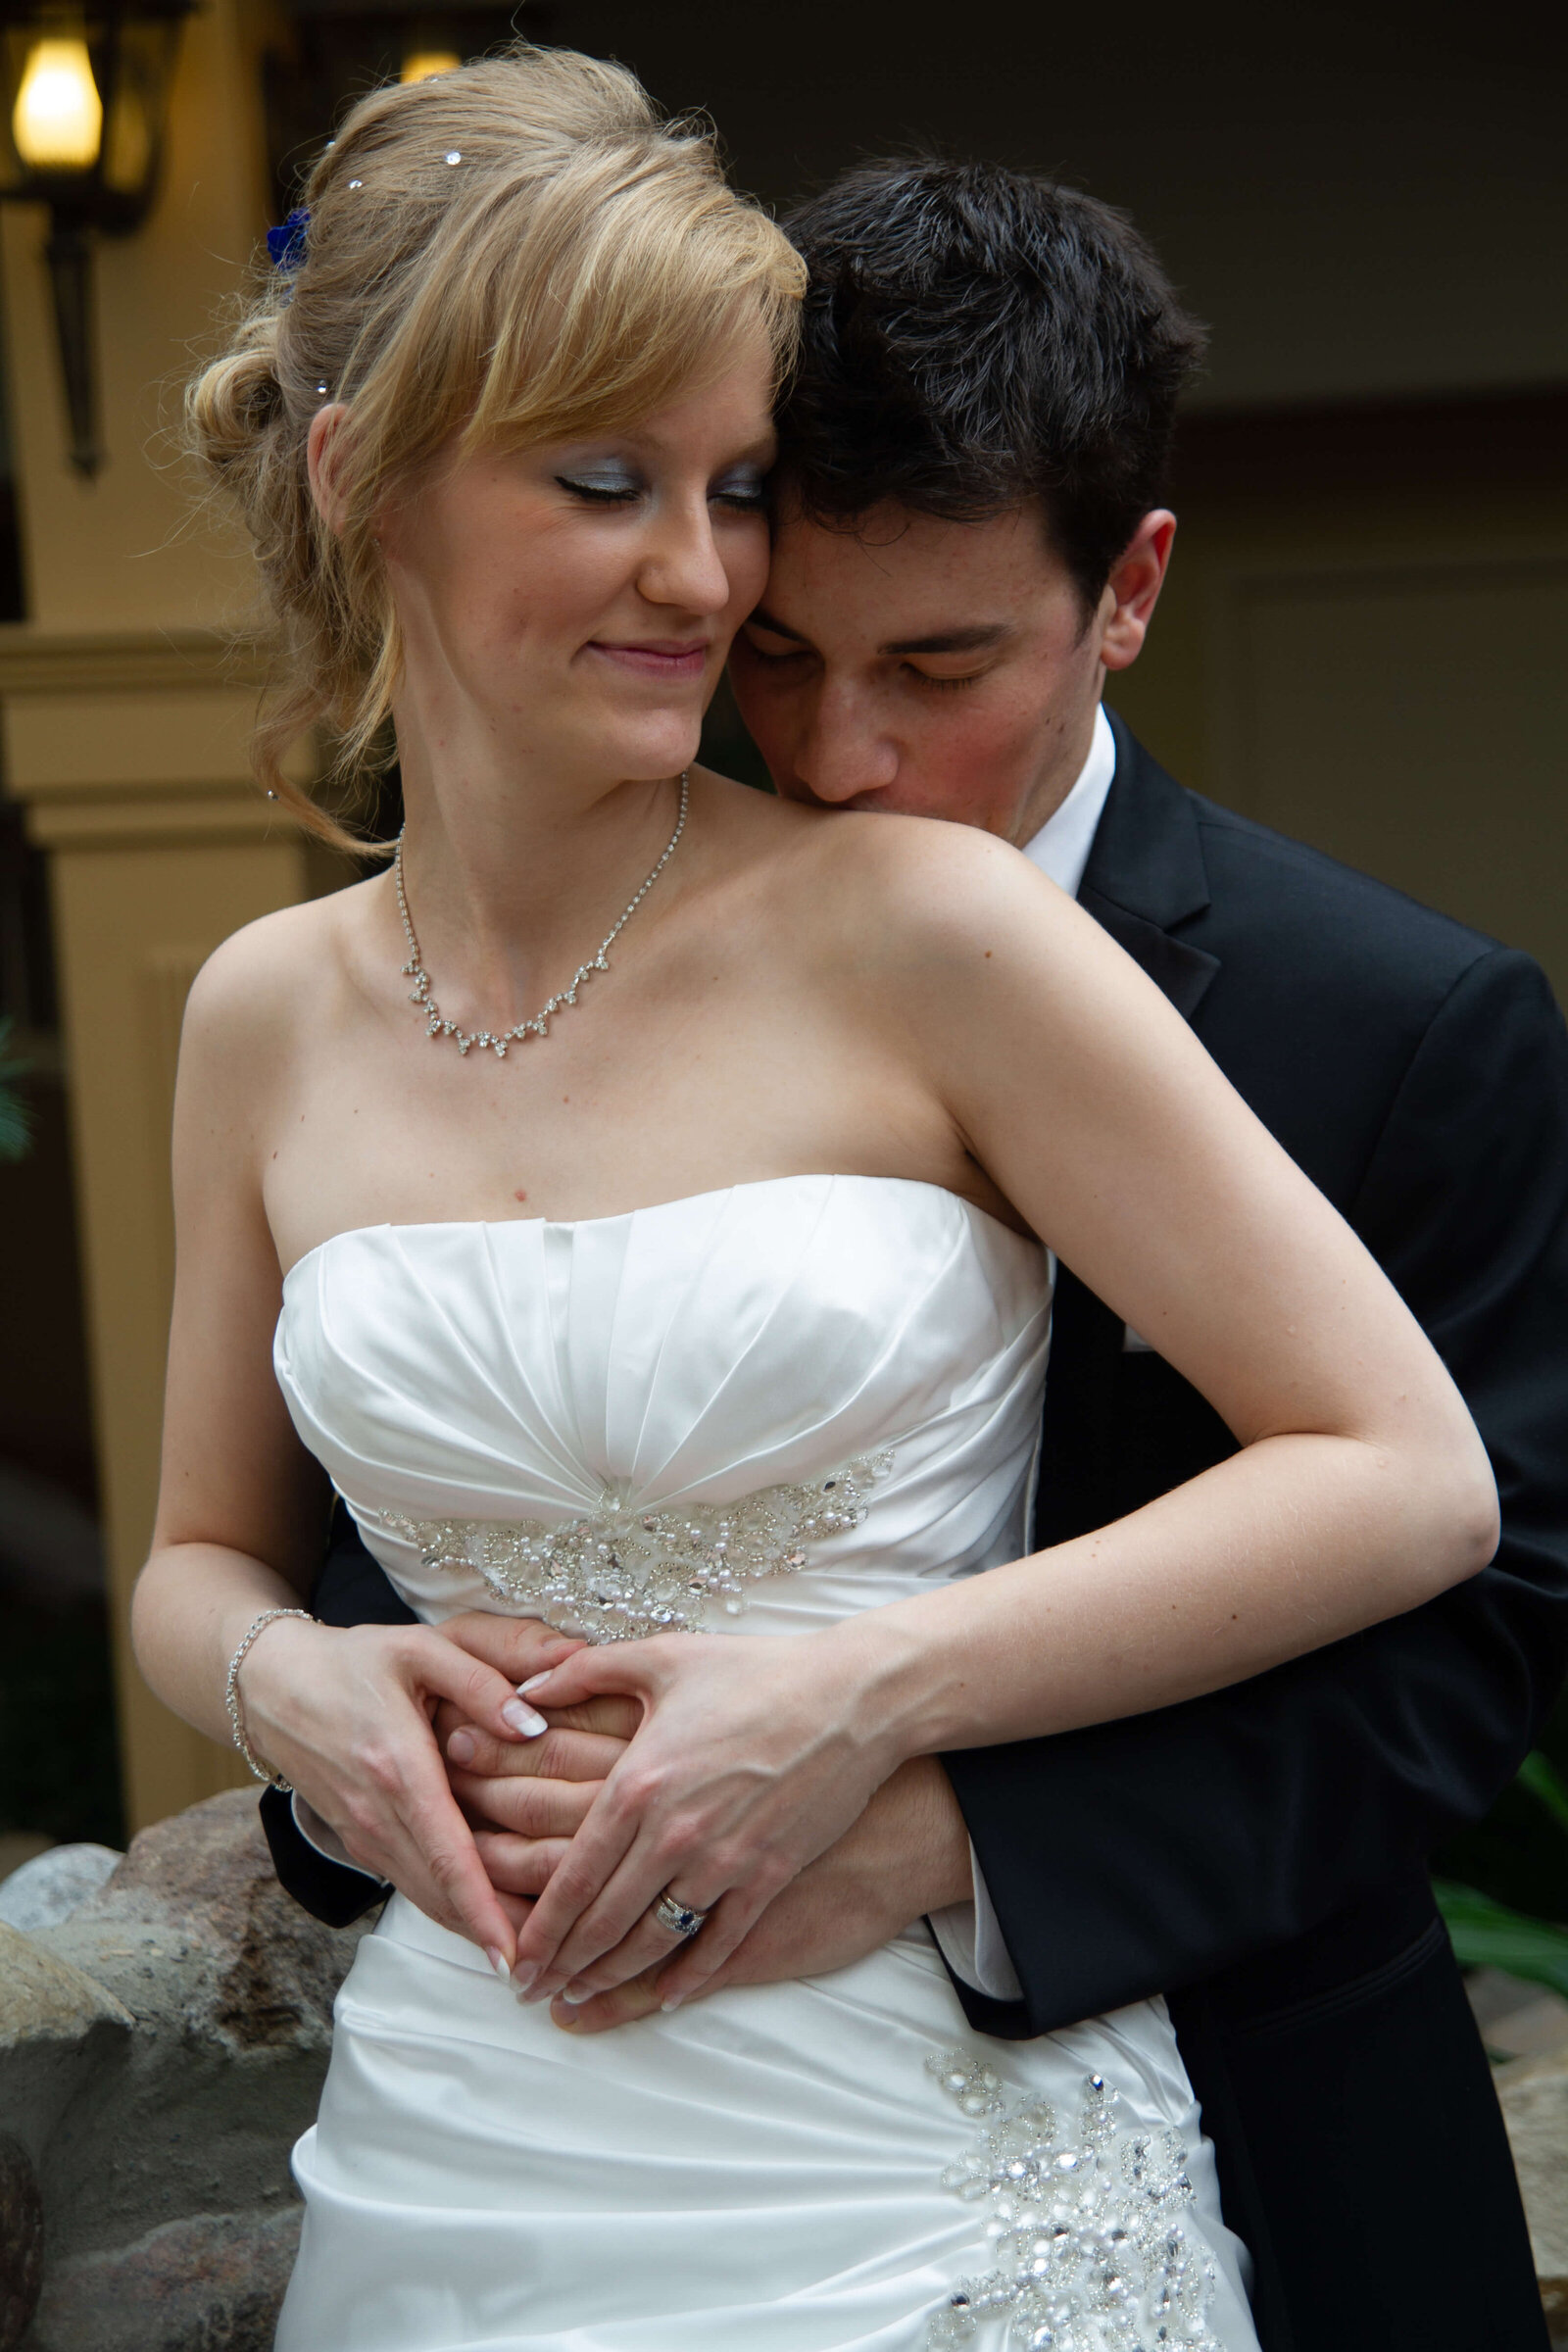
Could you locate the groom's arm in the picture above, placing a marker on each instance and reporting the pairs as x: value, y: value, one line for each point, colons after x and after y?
x: 1139, y: 1856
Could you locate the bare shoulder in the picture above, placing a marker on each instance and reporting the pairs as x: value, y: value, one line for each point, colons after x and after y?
x: 920, y: 890
x: 249, y: 998
x: 946, y: 881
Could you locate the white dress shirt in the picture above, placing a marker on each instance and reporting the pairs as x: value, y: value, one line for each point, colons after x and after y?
x: 970, y: 1934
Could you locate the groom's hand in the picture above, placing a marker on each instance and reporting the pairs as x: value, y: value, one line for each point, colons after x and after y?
x: 908, y: 1854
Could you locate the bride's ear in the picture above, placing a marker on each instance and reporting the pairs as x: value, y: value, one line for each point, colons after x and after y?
x: 324, y: 452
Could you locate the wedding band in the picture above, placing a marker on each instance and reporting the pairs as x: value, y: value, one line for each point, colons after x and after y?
x: 679, y: 1918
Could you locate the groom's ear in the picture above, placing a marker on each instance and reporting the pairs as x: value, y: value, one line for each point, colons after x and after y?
x: 1127, y: 602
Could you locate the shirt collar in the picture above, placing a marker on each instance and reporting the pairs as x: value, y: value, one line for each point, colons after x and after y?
x: 1062, y: 846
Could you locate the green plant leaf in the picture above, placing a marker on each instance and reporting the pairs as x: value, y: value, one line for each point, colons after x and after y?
x: 1488, y: 1935
x: 1540, y: 1775
x: 16, y: 1116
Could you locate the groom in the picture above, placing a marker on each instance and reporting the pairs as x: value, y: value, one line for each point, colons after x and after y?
x: 970, y: 538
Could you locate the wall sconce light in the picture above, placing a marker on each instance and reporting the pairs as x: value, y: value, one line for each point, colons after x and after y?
x: 85, y: 94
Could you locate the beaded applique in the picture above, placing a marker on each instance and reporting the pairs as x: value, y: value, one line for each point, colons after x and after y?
x: 623, y: 1574
x: 1090, y: 2249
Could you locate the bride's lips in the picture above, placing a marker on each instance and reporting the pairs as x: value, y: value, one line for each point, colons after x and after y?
x: 668, y: 658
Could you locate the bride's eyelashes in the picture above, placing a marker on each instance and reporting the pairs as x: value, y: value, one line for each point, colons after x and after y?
x: 599, y: 490
x: 744, y: 491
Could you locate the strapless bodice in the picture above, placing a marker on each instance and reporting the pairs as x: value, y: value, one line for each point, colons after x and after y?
x: 797, y: 1398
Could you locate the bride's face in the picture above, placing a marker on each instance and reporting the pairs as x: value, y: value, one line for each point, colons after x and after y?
x: 575, y: 603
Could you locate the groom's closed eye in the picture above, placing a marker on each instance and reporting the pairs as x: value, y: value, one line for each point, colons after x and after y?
x: 773, y: 641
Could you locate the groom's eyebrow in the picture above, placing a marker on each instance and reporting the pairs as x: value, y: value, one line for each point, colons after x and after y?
x: 977, y: 640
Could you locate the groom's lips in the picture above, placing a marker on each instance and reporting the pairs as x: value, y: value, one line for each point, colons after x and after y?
x: 667, y: 659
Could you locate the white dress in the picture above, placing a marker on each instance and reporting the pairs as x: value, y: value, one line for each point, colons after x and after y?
x: 760, y: 1409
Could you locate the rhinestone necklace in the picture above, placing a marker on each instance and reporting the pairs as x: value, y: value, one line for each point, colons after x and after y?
x: 436, y: 1025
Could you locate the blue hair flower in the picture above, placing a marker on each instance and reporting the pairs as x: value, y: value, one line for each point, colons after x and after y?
x: 286, y: 245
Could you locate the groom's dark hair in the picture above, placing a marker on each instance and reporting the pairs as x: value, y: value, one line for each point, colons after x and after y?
x: 975, y: 338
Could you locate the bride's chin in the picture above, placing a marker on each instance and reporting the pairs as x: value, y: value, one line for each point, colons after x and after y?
x: 642, y: 754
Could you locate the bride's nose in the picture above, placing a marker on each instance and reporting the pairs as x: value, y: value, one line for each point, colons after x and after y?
x: 681, y: 566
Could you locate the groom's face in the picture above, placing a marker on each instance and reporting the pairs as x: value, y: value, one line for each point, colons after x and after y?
x: 935, y: 668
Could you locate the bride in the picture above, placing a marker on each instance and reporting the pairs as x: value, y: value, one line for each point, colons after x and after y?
x: 691, y: 1291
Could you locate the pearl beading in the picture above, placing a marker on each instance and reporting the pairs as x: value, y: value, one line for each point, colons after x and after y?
x: 497, y: 1041
x: 621, y: 1574
x: 1091, y: 2252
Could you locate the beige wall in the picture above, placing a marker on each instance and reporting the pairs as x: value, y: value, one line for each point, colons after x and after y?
x: 124, y: 716
x: 1380, y: 673
x: 1363, y: 200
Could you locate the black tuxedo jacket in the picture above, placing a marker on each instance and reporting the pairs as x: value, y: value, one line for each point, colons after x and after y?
x: 1258, y: 1854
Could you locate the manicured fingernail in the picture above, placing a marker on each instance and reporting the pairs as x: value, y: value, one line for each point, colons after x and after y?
x: 545, y: 1991
x: 672, y: 2000
x: 575, y: 1996
x: 526, y: 1719
x: 523, y: 1976
x: 461, y: 1748
x: 498, y: 1961
x: 534, y: 1681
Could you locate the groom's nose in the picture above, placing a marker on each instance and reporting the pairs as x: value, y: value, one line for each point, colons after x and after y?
x: 844, y: 749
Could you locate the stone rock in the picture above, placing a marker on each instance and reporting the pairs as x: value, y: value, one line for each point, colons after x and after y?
x: 47, y: 1889
x: 58, y: 2028
x: 227, y: 1988
x: 208, y: 2282
x: 20, y: 2242
x: 1534, y: 2092
x: 193, y: 1925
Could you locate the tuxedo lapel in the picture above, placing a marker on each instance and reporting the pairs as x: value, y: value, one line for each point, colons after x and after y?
x: 1146, y: 874
x: 1181, y: 972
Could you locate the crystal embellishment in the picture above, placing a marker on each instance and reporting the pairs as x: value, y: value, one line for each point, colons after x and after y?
x: 622, y: 1574
x: 1091, y: 2251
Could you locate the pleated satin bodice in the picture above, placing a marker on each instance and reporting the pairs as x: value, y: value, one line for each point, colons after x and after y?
x: 791, y: 1398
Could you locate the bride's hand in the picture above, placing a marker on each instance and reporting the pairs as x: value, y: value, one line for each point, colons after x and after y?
x: 347, y: 1717
x: 753, y: 1756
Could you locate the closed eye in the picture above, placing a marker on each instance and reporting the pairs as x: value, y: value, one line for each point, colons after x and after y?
x: 599, y: 494
x: 777, y: 648
x: 745, y: 490
x: 943, y: 684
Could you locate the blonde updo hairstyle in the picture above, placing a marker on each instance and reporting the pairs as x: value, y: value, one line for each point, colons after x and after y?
x: 516, y: 253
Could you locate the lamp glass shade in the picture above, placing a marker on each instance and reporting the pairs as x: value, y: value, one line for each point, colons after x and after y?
x: 135, y: 129
x: 420, y: 64
x: 57, y: 119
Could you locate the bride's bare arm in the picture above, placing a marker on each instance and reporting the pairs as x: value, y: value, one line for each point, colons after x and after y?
x: 1360, y: 1488
x: 242, y: 1514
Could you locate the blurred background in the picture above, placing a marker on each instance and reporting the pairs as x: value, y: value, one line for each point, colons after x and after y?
x: 1361, y: 642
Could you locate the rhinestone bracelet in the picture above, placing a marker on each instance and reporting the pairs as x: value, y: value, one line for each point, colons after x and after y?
x: 275, y: 1780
